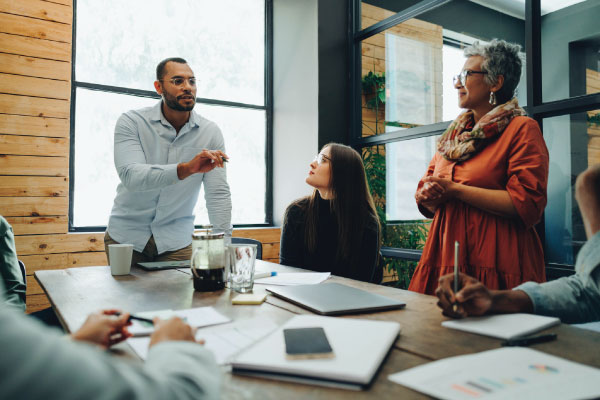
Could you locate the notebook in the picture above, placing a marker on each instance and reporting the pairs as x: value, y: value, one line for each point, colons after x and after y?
x: 504, y: 326
x: 335, y: 299
x: 359, y: 347
x: 159, y: 265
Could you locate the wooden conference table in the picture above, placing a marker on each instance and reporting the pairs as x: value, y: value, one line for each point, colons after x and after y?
x: 77, y: 292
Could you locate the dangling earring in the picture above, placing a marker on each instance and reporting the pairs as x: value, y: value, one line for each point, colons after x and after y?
x: 493, y: 98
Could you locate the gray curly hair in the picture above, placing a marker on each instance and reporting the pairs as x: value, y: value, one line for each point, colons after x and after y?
x: 499, y: 58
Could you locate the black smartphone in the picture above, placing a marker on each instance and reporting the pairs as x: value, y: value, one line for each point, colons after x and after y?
x: 304, y: 343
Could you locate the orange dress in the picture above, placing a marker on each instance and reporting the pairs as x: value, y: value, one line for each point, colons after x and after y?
x: 500, y: 252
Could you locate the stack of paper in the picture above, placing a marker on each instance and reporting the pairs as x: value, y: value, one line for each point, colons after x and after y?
x: 506, y: 373
x: 503, y: 326
x: 196, y: 317
x: 224, y: 341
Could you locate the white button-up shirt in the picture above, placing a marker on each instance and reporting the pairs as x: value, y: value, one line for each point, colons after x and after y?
x: 151, y: 200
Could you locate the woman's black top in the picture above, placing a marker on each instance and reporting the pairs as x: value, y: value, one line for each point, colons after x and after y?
x: 294, y: 252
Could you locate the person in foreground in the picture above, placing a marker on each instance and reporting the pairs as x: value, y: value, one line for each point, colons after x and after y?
x: 486, y: 185
x: 161, y: 160
x: 10, y: 271
x: 573, y: 299
x: 39, y: 363
x: 336, y: 229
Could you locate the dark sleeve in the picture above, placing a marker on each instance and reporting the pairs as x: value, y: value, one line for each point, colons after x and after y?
x: 10, y: 271
x: 370, y: 269
x: 292, y: 238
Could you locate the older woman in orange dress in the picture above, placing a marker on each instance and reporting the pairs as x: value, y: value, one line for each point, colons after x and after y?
x: 486, y: 185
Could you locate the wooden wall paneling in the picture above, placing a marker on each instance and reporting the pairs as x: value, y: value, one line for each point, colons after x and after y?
x: 33, y: 126
x: 34, y: 146
x: 37, y: 67
x: 33, y: 206
x: 45, y: 10
x: 37, y: 302
x: 37, y: 87
x: 35, y: 28
x: 39, y: 225
x: 31, y: 165
x: 64, y: 2
x: 67, y: 243
x: 27, y: 46
x: 44, y: 186
x: 34, y: 106
x: 40, y: 262
x: 264, y: 235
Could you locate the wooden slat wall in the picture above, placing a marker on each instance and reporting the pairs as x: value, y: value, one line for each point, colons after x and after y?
x: 35, y: 88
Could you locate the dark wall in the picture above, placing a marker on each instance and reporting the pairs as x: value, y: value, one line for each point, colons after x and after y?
x: 334, y: 116
x: 463, y: 16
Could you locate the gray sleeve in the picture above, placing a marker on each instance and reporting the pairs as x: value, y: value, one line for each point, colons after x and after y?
x: 10, y: 271
x: 130, y: 161
x: 38, y: 363
x: 573, y: 299
x: 216, y: 191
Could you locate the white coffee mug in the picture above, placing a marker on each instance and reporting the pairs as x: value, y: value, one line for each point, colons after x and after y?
x: 120, y: 258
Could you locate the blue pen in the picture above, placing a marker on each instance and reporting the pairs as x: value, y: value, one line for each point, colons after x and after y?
x: 265, y: 274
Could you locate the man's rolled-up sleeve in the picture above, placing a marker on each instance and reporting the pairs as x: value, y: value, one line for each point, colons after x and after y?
x: 216, y: 191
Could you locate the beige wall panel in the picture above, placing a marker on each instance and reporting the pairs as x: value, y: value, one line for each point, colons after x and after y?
x: 33, y: 126
x: 34, y: 146
x: 87, y: 259
x: 33, y: 206
x: 37, y: 67
x: 270, y: 250
x: 30, y: 165
x: 39, y: 225
x: 38, y: 87
x: 41, y: 262
x: 35, y: 186
x: 26, y: 46
x: 46, y: 10
x: 263, y: 235
x: 35, y: 28
x: 34, y: 106
x: 68, y: 243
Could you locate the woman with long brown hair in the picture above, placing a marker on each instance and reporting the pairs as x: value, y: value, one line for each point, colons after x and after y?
x: 336, y: 229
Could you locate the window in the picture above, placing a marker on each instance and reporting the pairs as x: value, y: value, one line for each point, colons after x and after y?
x: 115, y: 55
x: 406, y: 54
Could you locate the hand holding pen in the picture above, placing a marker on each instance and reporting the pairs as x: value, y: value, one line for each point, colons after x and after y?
x: 472, y: 299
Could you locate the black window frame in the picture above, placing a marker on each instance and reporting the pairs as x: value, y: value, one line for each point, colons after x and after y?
x: 536, y: 107
x: 267, y: 107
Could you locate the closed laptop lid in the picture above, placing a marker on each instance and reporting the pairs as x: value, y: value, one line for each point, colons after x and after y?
x: 335, y: 299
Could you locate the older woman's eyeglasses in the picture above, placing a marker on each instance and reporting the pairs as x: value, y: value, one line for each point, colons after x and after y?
x: 462, y: 77
x: 178, y: 81
x: 320, y: 157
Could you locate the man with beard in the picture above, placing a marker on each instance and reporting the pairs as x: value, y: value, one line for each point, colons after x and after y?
x: 163, y: 154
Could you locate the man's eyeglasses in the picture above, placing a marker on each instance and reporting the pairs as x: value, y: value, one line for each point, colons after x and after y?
x: 178, y: 81
x: 462, y: 77
x: 320, y: 157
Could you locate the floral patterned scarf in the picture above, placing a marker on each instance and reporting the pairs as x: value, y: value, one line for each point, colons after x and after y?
x: 462, y: 140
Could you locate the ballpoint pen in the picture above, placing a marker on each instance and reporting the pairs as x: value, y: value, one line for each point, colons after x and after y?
x: 264, y: 274
x: 456, y: 249
x: 148, y: 320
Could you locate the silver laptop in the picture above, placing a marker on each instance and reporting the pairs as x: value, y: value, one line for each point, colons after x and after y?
x: 335, y: 299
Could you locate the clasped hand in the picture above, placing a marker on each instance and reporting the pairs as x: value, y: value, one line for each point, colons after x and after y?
x: 435, y: 191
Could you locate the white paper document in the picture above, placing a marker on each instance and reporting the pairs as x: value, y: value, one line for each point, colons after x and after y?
x: 196, y: 317
x: 355, y: 359
x: 224, y: 341
x: 506, y: 373
x: 295, y: 278
x: 503, y: 326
